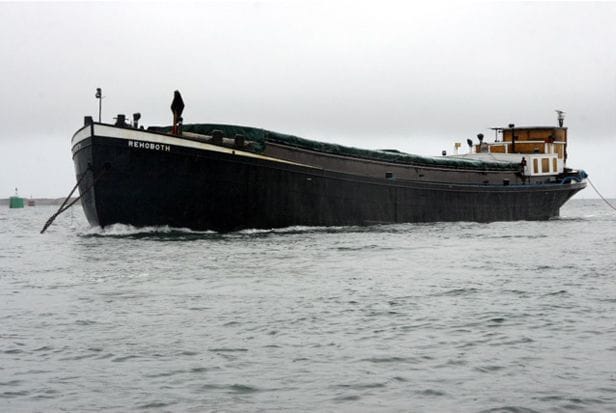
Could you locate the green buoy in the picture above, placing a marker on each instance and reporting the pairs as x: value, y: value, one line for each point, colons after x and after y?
x: 16, y: 201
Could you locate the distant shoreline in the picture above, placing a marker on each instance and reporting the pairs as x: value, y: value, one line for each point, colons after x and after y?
x: 38, y: 201
x: 58, y: 201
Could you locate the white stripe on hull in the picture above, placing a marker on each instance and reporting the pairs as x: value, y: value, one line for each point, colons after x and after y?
x: 134, y: 137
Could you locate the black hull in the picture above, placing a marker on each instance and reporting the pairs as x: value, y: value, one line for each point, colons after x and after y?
x: 210, y: 190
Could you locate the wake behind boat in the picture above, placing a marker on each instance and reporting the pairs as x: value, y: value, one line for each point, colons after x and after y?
x: 227, y: 177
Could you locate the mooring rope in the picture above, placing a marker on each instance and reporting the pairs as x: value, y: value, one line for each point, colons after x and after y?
x: 599, y: 193
x: 66, y: 206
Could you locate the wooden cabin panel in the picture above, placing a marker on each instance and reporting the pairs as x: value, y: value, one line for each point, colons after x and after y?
x: 521, y: 147
x: 498, y: 149
x: 545, y: 165
x: 560, y: 135
x: 533, y: 134
x: 528, y: 135
x: 543, y: 135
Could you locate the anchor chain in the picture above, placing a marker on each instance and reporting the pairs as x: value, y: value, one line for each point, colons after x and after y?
x: 601, y: 196
x: 66, y: 206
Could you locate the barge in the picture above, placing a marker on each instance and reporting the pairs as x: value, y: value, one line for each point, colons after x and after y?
x: 227, y: 177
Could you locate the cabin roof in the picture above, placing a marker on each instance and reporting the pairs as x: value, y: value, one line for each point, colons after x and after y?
x: 530, y: 127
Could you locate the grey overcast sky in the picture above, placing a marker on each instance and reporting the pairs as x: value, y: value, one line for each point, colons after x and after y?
x: 375, y: 74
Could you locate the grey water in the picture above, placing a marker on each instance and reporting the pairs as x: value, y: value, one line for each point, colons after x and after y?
x: 464, y: 317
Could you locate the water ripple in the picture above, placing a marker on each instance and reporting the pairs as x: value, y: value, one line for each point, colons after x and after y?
x: 468, y: 317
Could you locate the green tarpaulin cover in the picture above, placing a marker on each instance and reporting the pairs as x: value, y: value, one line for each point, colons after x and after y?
x: 261, y: 136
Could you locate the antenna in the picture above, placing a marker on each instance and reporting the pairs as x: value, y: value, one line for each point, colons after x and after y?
x: 561, y: 117
x: 99, y: 96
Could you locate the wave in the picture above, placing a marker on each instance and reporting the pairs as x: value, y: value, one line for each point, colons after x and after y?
x: 298, y: 229
x: 130, y: 231
x: 509, y: 409
x: 126, y: 230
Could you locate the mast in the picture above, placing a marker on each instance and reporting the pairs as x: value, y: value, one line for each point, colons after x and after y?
x: 99, y: 96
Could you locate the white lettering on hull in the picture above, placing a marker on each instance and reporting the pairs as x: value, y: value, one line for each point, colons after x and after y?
x: 149, y: 145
